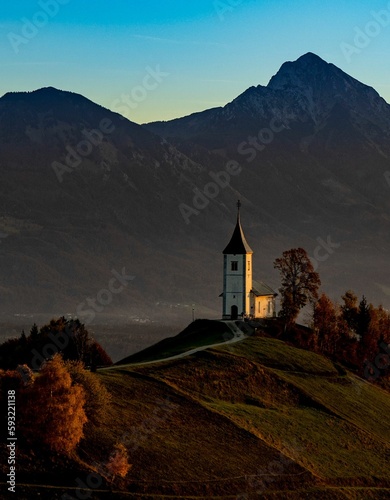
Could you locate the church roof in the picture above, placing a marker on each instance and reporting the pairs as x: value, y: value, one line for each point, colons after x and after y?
x: 260, y: 289
x: 238, y: 244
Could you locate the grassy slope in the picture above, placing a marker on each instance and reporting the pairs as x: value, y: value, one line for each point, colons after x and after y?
x: 241, y: 404
x: 253, y: 418
x: 199, y: 333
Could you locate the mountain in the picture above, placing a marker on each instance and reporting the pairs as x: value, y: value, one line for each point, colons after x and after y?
x: 307, y: 92
x: 85, y: 192
x: 87, y: 195
x: 314, y: 146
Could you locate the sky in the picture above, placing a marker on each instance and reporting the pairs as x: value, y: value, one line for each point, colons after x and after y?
x: 162, y: 59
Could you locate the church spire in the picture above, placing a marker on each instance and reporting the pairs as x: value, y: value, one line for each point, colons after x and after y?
x: 238, y: 244
x: 238, y: 210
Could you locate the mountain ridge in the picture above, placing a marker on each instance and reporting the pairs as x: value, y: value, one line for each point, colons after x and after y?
x: 305, y: 175
x: 290, y: 78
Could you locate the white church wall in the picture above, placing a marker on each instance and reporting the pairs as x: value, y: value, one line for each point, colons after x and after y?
x: 235, y: 274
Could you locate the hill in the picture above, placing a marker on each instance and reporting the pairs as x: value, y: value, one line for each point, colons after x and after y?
x: 255, y: 418
x: 199, y: 334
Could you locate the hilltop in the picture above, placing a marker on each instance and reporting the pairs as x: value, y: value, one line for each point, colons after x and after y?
x: 244, y: 419
x: 197, y: 336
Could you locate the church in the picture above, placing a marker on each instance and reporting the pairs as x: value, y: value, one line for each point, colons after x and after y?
x: 242, y: 296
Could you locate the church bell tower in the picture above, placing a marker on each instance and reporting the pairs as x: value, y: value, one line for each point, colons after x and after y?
x: 237, y: 274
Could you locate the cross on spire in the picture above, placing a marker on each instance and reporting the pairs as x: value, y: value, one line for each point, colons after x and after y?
x: 238, y: 244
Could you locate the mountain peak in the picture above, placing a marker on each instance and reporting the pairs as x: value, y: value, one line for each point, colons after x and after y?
x: 46, y: 96
x: 310, y: 57
x: 300, y: 72
x: 316, y: 86
x: 44, y: 90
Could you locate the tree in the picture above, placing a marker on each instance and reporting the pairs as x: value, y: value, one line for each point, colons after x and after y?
x: 383, y: 319
x: 98, y: 356
x: 325, y: 325
x: 78, y: 344
x: 67, y: 336
x: 363, y: 317
x: 33, y: 333
x: 300, y: 282
x: 118, y: 464
x: 23, y: 339
x: 54, y: 416
x: 349, y: 310
x: 26, y: 373
x: 98, y: 400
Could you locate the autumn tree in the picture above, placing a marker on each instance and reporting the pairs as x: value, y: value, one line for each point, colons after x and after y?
x: 26, y: 374
x: 325, y: 324
x: 299, y: 280
x: 383, y: 324
x: 98, y: 397
x: 98, y: 356
x: 118, y: 464
x: 54, y: 416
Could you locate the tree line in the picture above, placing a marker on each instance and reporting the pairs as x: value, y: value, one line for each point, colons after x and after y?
x: 354, y: 332
x: 68, y: 337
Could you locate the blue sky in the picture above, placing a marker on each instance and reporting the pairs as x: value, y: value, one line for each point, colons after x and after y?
x: 206, y: 51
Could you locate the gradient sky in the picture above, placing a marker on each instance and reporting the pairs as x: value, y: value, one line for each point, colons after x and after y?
x: 212, y: 50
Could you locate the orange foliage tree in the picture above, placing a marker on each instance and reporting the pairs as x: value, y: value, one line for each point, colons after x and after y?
x: 54, y: 416
x: 118, y: 464
x: 98, y: 400
x: 325, y: 325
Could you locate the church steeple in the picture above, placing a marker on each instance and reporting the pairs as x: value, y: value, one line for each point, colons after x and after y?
x: 238, y: 244
x: 242, y: 296
x: 237, y: 274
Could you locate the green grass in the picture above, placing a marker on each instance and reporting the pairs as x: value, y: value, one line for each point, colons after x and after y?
x: 352, y: 399
x: 277, y: 354
x: 332, y: 423
x: 327, y: 446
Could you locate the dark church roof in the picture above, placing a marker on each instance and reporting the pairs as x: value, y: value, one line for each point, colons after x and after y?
x: 238, y: 244
x: 260, y: 289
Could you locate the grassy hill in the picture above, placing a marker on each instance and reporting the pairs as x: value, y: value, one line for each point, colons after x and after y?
x: 201, y: 332
x: 254, y: 419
